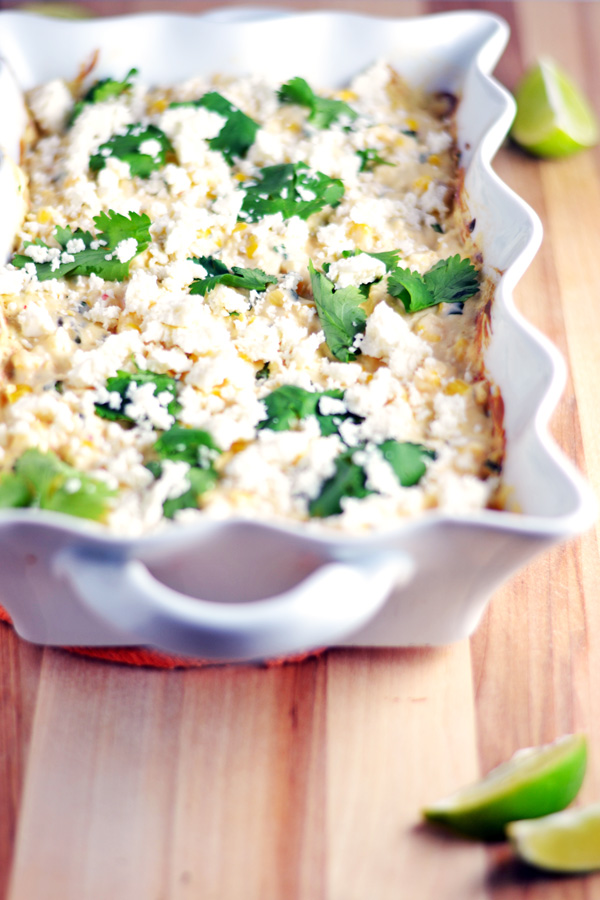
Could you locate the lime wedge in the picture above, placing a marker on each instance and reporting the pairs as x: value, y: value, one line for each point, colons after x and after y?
x: 568, y: 841
x: 534, y: 782
x: 553, y: 117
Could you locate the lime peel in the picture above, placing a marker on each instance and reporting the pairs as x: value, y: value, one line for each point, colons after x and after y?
x: 553, y: 116
x: 535, y: 782
x: 567, y: 841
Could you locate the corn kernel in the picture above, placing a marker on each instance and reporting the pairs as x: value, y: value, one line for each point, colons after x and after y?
x: 241, y: 226
x: 239, y: 176
x: 458, y: 386
x: 412, y: 125
x: 44, y: 216
x: 422, y: 183
x: 251, y: 246
x: 346, y: 95
x: 14, y: 392
x: 361, y: 235
x: 159, y: 105
x: 276, y: 298
x: 434, y: 159
x: 460, y: 348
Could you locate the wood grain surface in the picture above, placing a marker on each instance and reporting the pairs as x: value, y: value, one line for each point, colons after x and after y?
x: 305, y: 782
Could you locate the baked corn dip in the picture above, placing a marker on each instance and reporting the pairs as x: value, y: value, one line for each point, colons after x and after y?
x: 236, y: 297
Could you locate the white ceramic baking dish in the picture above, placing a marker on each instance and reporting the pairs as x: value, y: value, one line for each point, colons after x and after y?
x: 275, y: 590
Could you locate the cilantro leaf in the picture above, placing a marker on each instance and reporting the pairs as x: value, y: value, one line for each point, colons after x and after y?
x: 407, y: 460
x: 237, y: 134
x: 190, y: 445
x: 390, y: 258
x: 263, y: 373
x: 103, y: 90
x: 95, y: 255
x: 349, y: 480
x: 14, y: 491
x: 44, y: 481
x: 115, y: 228
x: 195, y: 447
x: 201, y: 481
x: 370, y: 158
x: 143, y: 147
x: 288, y: 404
x: 450, y: 280
x: 120, y: 383
x: 323, y: 111
x: 237, y: 277
x: 291, y: 189
x: 340, y: 313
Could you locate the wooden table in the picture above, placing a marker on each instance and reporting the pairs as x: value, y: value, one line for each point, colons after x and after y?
x: 306, y: 781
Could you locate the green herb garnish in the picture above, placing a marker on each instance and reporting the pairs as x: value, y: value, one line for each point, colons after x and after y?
x: 349, y: 480
x: 288, y: 404
x: 450, y: 280
x: 80, y: 253
x: 44, y: 481
x: 102, y: 90
x: 263, y: 373
x: 143, y: 147
x: 118, y: 385
x: 291, y: 189
x: 323, y: 111
x: 340, y: 313
x: 407, y: 460
x: 371, y: 158
x: 390, y: 258
x: 198, y: 450
x: 236, y: 277
x: 237, y: 134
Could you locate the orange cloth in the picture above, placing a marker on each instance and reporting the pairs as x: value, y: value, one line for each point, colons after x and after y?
x: 142, y: 656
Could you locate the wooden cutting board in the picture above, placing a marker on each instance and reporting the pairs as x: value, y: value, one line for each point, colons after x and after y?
x: 305, y: 782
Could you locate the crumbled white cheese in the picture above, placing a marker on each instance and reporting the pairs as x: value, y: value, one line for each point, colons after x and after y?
x: 230, y: 348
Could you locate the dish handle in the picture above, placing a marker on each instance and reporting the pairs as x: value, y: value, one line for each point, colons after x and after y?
x: 121, y: 602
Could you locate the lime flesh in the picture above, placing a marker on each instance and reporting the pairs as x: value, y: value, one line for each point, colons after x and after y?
x: 534, y: 782
x: 553, y: 117
x: 568, y: 841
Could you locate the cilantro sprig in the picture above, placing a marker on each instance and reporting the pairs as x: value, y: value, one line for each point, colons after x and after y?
x: 408, y: 460
x: 348, y: 480
x: 237, y: 277
x: 288, y: 404
x: 390, y: 258
x: 44, y: 481
x: 323, y: 110
x: 80, y: 253
x: 237, y: 134
x: 102, y: 90
x: 194, y: 447
x: 143, y: 147
x: 291, y: 189
x: 119, y: 386
x: 340, y: 313
x: 451, y: 280
x: 370, y: 158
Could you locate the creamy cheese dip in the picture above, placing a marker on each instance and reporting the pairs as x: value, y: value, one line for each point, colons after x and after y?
x: 397, y: 382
